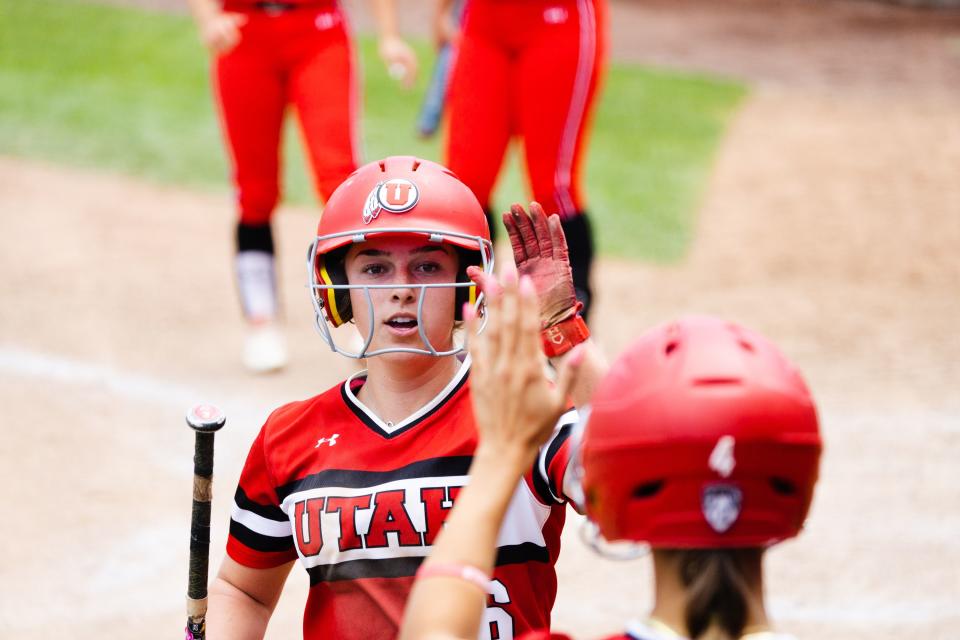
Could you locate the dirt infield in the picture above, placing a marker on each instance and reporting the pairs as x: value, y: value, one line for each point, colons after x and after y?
x: 831, y: 223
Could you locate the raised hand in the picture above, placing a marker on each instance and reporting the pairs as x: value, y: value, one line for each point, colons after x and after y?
x: 540, y: 252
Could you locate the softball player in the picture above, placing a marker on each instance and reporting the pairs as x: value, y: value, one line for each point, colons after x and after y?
x: 530, y: 69
x: 356, y: 482
x: 702, y: 442
x: 266, y: 56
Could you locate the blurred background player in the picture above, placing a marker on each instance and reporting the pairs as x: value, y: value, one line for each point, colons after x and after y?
x: 357, y: 481
x: 529, y: 69
x: 702, y: 441
x: 266, y: 56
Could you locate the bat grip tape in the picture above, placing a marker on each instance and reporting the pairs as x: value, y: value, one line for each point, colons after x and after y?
x: 200, y: 518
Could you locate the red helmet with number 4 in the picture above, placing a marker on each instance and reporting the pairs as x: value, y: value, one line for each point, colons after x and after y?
x: 396, y: 196
x: 701, y: 435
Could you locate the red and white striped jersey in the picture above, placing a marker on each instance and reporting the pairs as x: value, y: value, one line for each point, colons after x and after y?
x: 360, y: 502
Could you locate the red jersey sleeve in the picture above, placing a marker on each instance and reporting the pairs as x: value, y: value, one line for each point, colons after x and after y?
x: 261, y: 536
x: 546, y: 476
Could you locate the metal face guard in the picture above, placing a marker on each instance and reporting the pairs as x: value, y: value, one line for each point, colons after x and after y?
x: 318, y: 290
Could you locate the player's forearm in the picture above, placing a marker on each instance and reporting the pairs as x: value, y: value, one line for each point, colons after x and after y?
x: 590, y: 370
x: 385, y: 12
x: 470, y: 533
x: 234, y: 615
x: 204, y: 10
x: 442, y: 607
x: 442, y: 9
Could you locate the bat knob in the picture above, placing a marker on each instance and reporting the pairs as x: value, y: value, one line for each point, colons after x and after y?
x: 206, y: 418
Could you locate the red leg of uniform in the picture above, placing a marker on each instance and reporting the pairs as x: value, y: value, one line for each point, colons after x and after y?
x: 479, y: 107
x: 323, y: 87
x: 559, y: 74
x: 252, y: 97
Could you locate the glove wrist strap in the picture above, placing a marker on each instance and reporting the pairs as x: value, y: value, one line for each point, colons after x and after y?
x: 559, y: 338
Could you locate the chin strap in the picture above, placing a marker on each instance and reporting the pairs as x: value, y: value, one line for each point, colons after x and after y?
x: 590, y: 535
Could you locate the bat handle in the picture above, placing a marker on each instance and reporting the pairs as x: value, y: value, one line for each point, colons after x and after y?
x: 205, y: 420
x: 431, y: 112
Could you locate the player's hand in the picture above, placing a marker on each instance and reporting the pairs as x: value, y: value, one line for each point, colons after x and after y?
x: 221, y: 32
x: 540, y: 252
x: 515, y: 405
x: 487, y: 283
x: 400, y: 59
x: 445, y: 30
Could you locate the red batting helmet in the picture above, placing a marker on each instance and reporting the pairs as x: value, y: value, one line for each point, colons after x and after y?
x: 702, y: 435
x: 399, y: 195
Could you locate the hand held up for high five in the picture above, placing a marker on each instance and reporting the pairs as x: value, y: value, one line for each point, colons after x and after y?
x: 540, y: 252
x: 515, y: 405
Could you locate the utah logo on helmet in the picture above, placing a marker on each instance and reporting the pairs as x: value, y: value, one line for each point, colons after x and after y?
x: 396, y: 196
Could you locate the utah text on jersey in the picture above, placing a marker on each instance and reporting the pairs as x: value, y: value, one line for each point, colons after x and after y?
x: 348, y: 524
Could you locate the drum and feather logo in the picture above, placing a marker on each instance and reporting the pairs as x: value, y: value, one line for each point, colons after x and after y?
x: 396, y: 196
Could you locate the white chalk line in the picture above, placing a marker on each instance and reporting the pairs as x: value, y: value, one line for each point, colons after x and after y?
x: 31, y: 364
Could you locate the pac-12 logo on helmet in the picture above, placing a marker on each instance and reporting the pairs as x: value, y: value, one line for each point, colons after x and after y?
x: 720, y: 504
x: 396, y: 196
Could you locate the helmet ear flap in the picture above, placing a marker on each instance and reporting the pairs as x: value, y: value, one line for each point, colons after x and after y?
x: 469, y: 294
x: 465, y: 295
x: 336, y: 302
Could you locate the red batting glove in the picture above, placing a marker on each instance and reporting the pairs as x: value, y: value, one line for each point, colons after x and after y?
x: 540, y: 251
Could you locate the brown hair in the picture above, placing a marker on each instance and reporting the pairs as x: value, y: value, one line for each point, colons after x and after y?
x: 717, y: 589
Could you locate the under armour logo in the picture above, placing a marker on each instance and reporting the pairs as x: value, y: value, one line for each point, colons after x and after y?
x: 332, y: 440
x: 326, y: 21
x: 555, y: 15
x: 721, y: 459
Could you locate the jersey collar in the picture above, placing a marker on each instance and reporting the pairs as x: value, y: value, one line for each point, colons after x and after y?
x: 388, y: 430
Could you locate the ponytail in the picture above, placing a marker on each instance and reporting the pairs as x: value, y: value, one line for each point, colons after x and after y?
x: 717, y: 592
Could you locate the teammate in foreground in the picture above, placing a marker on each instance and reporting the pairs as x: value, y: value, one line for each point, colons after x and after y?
x: 266, y: 56
x: 702, y: 442
x: 529, y: 69
x: 357, y: 481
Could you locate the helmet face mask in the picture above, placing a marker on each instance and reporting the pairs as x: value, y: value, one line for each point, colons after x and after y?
x: 702, y: 435
x: 332, y: 306
x: 400, y: 197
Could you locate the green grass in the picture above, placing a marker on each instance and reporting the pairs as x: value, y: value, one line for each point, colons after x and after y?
x: 127, y: 90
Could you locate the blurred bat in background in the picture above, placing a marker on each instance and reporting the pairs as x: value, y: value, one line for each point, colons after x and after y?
x: 431, y: 111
